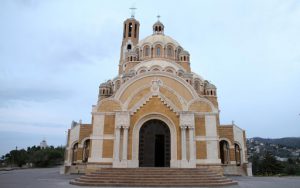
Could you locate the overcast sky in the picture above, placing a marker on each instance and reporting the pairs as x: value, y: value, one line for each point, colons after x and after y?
x: 54, y: 54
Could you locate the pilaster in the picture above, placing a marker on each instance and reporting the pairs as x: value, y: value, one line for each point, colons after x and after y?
x: 212, y: 144
x: 97, y: 144
x: 122, y: 121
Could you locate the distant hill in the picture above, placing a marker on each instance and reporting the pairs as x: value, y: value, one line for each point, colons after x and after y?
x: 293, y: 142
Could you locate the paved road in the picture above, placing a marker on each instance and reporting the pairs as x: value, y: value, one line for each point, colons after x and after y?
x: 50, y: 178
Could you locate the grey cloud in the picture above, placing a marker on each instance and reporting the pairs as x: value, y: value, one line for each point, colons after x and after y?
x: 31, y: 94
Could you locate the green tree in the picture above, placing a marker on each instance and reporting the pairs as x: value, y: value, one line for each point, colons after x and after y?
x: 18, y: 157
x: 270, y: 166
x: 255, y: 165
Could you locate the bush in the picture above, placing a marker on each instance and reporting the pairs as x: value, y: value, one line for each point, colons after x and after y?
x: 38, y: 157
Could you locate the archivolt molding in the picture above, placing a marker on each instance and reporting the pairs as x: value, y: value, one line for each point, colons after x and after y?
x: 168, y: 103
x: 162, y: 74
x: 227, y: 140
x: 105, y: 100
x: 130, y: 98
x: 198, y: 99
x: 239, y: 144
x: 147, y: 98
x: 141, y: 103
x: 73, y: 143
x: 83, y: 140
x: 182, y: 101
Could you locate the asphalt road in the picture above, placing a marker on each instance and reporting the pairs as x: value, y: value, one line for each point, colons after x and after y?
x: 50, y: 178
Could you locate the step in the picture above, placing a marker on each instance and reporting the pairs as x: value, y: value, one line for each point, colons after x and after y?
x: 153, y: 177
x: 149, y: 181
x: 149, y: 173
x: 153, y: 184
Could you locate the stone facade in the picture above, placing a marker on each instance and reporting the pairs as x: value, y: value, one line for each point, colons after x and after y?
x: 155, y: 82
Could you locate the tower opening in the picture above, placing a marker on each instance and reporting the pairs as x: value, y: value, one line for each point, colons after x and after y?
x: 129, y: 29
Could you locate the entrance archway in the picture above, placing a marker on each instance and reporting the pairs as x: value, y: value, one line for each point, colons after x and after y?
x: 154, y: 144
x: 224, y: 152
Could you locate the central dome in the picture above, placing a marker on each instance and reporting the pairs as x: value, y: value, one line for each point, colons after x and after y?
x: 156, y: 39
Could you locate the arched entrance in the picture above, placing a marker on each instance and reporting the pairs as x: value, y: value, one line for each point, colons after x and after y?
x: 237, y: 152
x: 224, y: 152
x: 154, y: 144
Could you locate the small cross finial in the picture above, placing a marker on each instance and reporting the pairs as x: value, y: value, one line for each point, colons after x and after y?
x: 132, y: 11
x: 158, y: 16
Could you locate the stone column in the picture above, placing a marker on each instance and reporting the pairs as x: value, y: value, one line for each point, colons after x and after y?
x: 187, y: 120
x: 117, y: 145
x: 125, y: 143
x: 183, y: 143
x: 192, y: 145
x: 122, y: 120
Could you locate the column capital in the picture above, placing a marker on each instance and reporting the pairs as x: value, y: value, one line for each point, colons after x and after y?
x: 183, y: 126
x: 187, y: 119
x: 191, y: 127
x: 183, y: 142
x: 122, y: 119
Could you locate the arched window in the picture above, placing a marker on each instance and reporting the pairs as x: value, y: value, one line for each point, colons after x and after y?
x: 159, y: 28
x: 135, y: 28
x: 158, y: 51
x: 147, y: 51
x: 169, y: 53
x: 130, y: 58
x: 86, y: 151
x: 211, y: 92
x: 169, y: 71
x: 129, y: 47
x: 197, y: 85
x: 224, y: 152
x: 237, y: 152
x: 184, y: 58
x: 129, y: 29
x: 142, y: 71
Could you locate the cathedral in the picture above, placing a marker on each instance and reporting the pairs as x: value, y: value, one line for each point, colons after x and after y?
x: 155, y: 113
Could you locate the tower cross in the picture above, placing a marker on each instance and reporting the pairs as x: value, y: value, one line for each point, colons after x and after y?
x: 132, y: 11
x: 158, y: 16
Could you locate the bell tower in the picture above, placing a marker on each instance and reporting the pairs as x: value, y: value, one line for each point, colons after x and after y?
x: 131, y: 28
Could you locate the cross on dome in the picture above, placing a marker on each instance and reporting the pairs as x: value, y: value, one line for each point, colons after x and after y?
x: 158, y: 27
x: 158, y: 16
x: 132, y: 11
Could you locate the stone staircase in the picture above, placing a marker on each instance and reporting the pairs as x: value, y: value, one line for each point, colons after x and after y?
x: 153, y: 177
